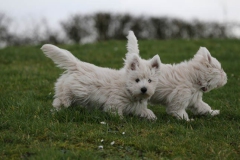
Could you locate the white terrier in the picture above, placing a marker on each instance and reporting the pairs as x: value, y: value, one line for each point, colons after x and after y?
x: 181, y: 86
x: 123, y: 91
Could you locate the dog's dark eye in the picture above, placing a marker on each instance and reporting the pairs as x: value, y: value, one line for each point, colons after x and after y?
x: 137, y: 80
x: 149, y: 81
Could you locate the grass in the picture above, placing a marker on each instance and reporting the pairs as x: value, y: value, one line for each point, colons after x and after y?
x: 28, y: 130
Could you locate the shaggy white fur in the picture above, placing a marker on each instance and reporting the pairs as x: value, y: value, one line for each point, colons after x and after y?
x: 123, y: 91
x: 181, y: 86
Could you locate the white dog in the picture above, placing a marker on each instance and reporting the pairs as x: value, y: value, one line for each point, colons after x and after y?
x: 181, y: 86
x: 123, y: 91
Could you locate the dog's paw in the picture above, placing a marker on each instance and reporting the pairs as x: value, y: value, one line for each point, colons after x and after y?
x: 148, y: 114
x: 190, y: 120
x: 214, y: 112
x: 55, y: 110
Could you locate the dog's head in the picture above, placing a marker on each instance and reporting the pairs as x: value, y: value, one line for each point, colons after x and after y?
x: 211, y: 74
x: 142, y: 75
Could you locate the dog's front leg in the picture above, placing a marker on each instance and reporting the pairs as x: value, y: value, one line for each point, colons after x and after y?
x: 120, y: 112
x: 147, y: 113
x: 144, y: 112
x: 202, y: 108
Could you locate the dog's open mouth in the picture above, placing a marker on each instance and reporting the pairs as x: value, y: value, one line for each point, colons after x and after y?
x: 204, y: 89
x: 144, y: 95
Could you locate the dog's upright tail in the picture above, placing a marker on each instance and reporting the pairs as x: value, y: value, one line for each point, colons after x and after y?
x: 63, y: 58
x: 132, y: 45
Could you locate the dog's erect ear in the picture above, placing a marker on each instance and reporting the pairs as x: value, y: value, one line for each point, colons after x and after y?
x: 133, y: 61
x: 208, y: 56
x: 155, y: 62
x: 205, y: 53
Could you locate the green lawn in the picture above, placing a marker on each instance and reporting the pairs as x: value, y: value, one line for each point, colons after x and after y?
x: 28, y: 130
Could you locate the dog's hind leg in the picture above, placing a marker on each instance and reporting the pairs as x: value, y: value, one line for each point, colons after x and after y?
x: 177, y: 108
x: 63, y: 95
x: 180, y: 114
x: 57, y: 104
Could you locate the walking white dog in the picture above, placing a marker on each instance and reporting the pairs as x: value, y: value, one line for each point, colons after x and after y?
x: 181, y: 86
x: 123, y: 91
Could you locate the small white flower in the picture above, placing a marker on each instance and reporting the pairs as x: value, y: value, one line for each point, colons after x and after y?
x: 123, y: 133
x: 103, y: 122
x: 112, y: 143
x: 102, y: 140
x: 100, y: 147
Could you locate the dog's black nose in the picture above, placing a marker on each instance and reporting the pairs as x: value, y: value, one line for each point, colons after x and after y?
x: 144, y: 89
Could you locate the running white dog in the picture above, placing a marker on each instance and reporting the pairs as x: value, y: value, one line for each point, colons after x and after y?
x: 181, y: 86
x: 123, y: 91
